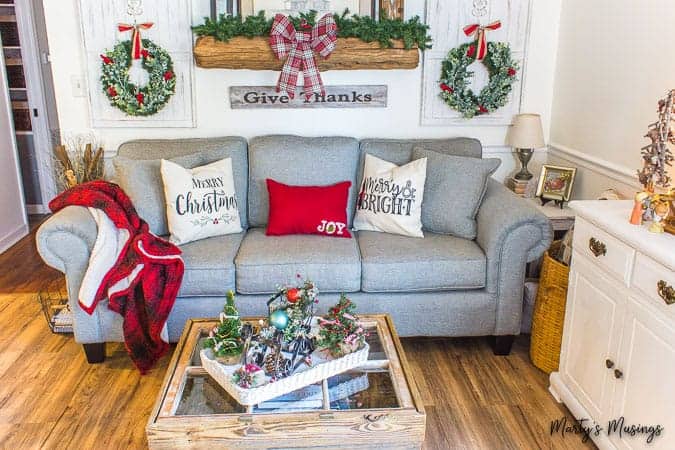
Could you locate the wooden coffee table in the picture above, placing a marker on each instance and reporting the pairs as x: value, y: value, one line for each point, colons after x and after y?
x: 375, y: 406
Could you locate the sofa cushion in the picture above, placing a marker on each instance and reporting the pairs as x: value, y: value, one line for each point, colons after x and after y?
x: 454, y: 191
x: 209, y: 265
x: 265, y: 262
x: 392, y: 263
x: 141, y: 180
x: 399, y: 151
x: 299, y: 161
x: 211, y: 150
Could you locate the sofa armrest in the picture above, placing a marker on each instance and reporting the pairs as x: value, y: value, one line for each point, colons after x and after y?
x: 67, y: 237
x: 64, y: 241
x: 511, y: 232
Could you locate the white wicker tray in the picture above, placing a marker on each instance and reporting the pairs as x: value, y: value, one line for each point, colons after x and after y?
x: 304, y: 376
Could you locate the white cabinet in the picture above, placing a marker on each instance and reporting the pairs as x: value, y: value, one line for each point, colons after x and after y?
x: 592, y: 333
x: 645, y: 391
x: 617, y: 361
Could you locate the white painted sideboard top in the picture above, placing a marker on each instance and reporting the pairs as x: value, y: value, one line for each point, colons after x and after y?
x: 613, y: 215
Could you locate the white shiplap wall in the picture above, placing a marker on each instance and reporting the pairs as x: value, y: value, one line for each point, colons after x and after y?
x: 171, y: 30
x: 447, y: 19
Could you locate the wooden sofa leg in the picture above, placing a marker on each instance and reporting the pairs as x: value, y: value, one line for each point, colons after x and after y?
x: 95, y: 352
x: 503, y: 344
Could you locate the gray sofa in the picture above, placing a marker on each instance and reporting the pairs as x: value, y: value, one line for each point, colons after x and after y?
x: 437, y: 286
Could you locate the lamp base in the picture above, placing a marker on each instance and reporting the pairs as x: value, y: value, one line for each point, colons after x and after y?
x: 524, y: 156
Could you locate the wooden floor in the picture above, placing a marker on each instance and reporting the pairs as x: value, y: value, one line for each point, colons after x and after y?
x: 51, y: 398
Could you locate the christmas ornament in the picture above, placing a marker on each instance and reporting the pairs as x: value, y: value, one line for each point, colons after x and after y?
x: 293, y: 295
x: 279, y: 319
x: 138, y: 86
x: 299, y: 46
x: 249, y: 376
x: 455, y: 76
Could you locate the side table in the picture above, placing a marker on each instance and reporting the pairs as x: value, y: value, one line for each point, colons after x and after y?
x: 561, y: 219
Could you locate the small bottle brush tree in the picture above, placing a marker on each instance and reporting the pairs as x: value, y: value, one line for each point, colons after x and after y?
x: 340, y: 331
x: 225, y: 338
x: 657, y: 156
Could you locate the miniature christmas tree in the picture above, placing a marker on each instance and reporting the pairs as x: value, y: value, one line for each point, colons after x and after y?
x: 340, y: 331
x: 225, y: 338
x: 657, y: 156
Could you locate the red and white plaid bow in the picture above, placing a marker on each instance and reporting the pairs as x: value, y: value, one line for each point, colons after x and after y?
x: 479, y: 31
x: 300, y: 46
x: 136, y: 42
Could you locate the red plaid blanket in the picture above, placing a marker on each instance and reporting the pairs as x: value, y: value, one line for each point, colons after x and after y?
x: 142, y: 283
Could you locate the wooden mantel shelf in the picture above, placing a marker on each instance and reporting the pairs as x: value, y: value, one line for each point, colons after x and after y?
x: 255, y: 53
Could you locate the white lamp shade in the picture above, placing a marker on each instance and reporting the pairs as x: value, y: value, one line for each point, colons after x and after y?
x: 526, y: 132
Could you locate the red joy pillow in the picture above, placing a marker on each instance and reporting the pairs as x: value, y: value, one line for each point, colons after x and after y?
x: 308, y: 209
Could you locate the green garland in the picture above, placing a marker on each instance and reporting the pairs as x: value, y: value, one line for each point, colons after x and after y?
x: 455, y: 76
x: 125, y: 95
x: 412, y: 32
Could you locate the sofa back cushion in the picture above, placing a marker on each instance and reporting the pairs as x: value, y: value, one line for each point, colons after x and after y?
x: 210, y: 149
x: 399, y: 151
x: 141, y: 180
x: 299, y: 161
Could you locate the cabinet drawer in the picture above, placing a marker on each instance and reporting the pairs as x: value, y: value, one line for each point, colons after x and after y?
x: 656, y: 282
x: 604, y: 249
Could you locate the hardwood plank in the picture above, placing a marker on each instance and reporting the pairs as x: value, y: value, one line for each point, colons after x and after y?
x: 51, y: 398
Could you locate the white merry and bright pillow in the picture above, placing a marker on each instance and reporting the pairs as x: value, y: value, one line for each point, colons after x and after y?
x: 200, y: 202
x: 390, y: 198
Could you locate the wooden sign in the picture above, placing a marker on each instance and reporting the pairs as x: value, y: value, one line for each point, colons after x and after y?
x: 259, y: 97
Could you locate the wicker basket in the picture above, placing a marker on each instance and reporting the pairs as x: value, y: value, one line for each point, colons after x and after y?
x: 549, y: 313
x: 54, y: 302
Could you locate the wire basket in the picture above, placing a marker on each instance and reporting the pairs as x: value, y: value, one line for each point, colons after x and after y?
x: 53, y: 299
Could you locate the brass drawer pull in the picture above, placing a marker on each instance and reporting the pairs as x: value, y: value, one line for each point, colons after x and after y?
x: 597, y: 247
x: 618, y: 374
x: 666, y: 292
x: 609, y: 363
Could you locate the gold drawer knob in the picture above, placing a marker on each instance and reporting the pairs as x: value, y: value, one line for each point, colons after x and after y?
x: 666, y: 292
x: 597, y: 247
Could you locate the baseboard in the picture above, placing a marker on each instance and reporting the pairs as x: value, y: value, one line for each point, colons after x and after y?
x: 37, y: 209
x: 608, y: 169
x: 13, y: 237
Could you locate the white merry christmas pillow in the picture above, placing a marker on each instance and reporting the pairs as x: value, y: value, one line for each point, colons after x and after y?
x: 200, y: 202
x: 390, y: 198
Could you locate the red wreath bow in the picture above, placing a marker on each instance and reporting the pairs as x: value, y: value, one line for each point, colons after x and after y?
x: 480, y: 31
x: 300, y: 45
x: 136, y: 42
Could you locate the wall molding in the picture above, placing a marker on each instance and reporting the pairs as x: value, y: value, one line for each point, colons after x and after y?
x: 614, y: 171
x: 14, y: 236
x: 37, y: 209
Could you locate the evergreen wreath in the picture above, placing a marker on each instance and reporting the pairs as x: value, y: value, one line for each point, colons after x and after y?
x: 455, y: 77
x: 125, y: 95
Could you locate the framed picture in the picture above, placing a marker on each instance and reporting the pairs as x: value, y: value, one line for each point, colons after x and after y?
x: 555, y: 183
x: 391, y: 9
x: 293, y: 7
x: 219, y: 7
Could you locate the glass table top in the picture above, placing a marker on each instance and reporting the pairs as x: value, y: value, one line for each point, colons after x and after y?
x: 369, y: 387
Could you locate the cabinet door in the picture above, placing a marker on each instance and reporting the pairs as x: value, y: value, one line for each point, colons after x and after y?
x: 592, y: 333
x: 645, y: 391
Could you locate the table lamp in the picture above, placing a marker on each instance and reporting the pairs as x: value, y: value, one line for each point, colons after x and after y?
x: 525, y: 135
